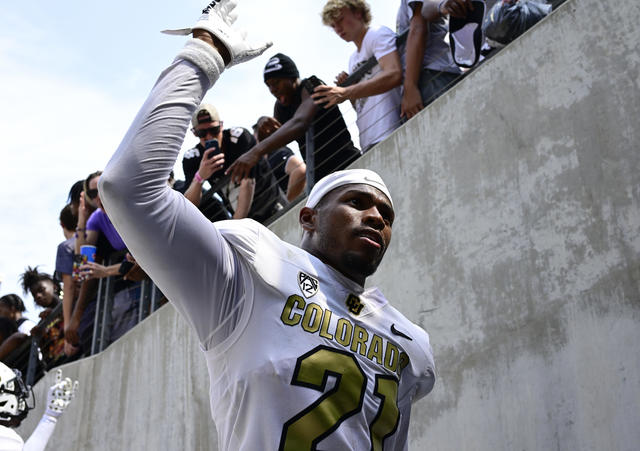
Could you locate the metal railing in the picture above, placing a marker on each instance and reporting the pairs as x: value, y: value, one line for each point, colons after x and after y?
x: 43, y: 350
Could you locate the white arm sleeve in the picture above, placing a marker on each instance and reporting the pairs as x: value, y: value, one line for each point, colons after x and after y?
x: 10, y: 440
x: 41, y: 434
x: 174, y: 243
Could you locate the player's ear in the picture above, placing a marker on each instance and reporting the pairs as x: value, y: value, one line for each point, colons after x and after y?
x: 307, y: 219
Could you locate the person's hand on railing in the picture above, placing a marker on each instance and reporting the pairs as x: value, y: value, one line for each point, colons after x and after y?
x: 46, y: 312
x: 328, y: 96
x: 71, y: 333
x: 411, y: 102
x: 70, y: 350
x: 241, y: 168
x: 455, y: 8
x: 210, y: 163
x: 341, y: 77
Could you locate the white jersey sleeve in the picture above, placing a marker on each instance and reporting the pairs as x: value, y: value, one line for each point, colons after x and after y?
x: 41, y: 435
x: 173, y: 242
x: 10, y: 440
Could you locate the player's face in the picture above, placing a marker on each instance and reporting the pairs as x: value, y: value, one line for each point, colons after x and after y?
x: 353, y: 230
x: 283, y: 89
x: 348, y: 24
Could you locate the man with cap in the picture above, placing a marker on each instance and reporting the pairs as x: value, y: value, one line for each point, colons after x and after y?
x: 202, y: 164
x: 300, y: 355
x: 255, y: 197
x: 296, y: 111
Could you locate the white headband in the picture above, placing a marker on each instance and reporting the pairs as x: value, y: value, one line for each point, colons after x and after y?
x: 346, y: 177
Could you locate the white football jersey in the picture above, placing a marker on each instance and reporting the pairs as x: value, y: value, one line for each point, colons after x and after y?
x: 314, y: 361
x: 299, y: 356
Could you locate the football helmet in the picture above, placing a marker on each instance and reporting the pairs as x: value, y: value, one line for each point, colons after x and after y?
x: 16, y: 399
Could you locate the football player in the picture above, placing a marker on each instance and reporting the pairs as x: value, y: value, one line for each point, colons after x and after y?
x: 300, y: 355
x: 15, y: 402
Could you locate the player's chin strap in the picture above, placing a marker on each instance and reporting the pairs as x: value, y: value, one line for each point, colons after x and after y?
x: 217, y: 18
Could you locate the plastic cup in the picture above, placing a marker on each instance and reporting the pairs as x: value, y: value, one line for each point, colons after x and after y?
x: 88, y: 253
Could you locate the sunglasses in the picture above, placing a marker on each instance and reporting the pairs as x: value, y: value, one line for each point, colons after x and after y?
x: 213, y: 131
x: 92, y: 193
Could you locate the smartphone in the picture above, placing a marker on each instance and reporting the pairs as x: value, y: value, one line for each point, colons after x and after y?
x: 212, y: 143
x: 125, y: 267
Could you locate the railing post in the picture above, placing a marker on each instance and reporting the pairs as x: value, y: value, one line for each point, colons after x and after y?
x: 33, y: 362
x: 143, y: 302
x: 154, y: 298
x: 310, y: 158
x: 96, y: 317
x: 106, y: 314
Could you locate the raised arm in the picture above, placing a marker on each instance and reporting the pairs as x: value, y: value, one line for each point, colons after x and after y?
x: 174, y: 243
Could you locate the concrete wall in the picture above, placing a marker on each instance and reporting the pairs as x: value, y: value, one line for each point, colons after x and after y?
x: 517, y: 246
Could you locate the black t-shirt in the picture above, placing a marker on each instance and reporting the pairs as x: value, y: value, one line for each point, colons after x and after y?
x: 334, y: 149
x: 235, y: 142
x: 278, y: 162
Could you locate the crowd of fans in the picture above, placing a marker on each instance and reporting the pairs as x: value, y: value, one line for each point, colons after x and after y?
x: 235, y: 173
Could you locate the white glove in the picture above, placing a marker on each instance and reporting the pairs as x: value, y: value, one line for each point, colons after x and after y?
x: 217, y: 18
x: 60, y: 395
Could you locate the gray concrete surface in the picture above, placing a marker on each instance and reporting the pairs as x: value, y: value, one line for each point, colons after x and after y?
x: 516, y: 245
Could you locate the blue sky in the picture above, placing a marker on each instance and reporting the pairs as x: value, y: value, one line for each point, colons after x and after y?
x: 73, y: 74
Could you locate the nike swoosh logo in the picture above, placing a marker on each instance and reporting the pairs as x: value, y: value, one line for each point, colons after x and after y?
x: 397, y: 332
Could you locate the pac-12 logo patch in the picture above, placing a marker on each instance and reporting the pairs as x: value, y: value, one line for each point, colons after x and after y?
x: 308, y: 285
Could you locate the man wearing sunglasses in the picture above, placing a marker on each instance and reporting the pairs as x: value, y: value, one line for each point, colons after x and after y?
x: 252, y: 197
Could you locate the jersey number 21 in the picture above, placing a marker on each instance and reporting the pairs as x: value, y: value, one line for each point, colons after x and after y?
x: 305, y: 430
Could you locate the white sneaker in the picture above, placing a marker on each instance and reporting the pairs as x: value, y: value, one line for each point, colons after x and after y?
x: 217, y: 18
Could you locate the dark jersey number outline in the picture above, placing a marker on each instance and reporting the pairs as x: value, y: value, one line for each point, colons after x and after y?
x: 314, y: 423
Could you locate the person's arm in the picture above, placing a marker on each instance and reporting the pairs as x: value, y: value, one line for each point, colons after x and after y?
x: 58, y: 398
x: 245, y: 198
x: 388, y: 78
x: 433, y: 9
x: 194, y: 192
x: 71, y: 336
x: 297, y: 172
x: 183, y: 252
x: 411, y: 96
x: 67, y: 297
x: 98, y: 271
x: 84, y: 236
x: 208, y: 165
x: 290, y: 130
x: 11, y: 343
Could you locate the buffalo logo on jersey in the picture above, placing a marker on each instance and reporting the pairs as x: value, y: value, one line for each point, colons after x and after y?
x: 354, y: 304
x: 308, y: 285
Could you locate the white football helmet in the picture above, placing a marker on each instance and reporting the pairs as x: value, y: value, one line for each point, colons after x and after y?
x: 14, y: 395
